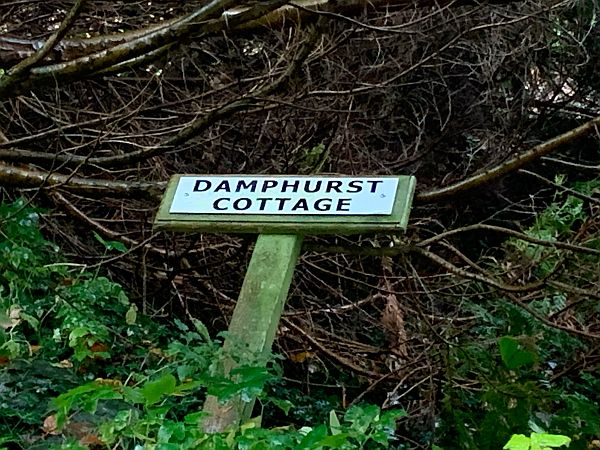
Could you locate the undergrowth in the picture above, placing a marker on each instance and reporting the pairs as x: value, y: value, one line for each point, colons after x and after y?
x: 511, y: 373
x: 81, y: 368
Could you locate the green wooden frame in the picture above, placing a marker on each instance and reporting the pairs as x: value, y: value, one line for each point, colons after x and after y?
x: 285, y: 224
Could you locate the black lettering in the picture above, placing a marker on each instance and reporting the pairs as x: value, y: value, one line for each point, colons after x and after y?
x: 343, y: 202
x: 216, y: 204
x: 282, y: 202
x: 323, y: 204
x: 374, y: 184
x: 355, y: 185
x: 300, y: 204
x: 237, y: 204
x: 269, y: 184
x: 263, y: 202
x: 197, y: 185
x: 223, y: 186
x: 334, y: 186
x: 243, y: 185
x: 294, y: 185
x: 307, y: 187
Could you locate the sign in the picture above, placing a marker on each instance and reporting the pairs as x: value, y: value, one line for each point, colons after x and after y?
x: 293, y: 195
x: 286, y: 204
x: 282, y: 209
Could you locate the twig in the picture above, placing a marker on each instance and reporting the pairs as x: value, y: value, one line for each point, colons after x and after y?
x: 573, y: 192
x: 338, y: 358
x: 514, y: 233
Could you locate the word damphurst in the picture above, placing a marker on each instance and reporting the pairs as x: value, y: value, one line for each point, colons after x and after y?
x: 283, y: 186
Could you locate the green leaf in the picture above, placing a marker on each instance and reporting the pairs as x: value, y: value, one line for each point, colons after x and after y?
x: 202, y: 330
x: 195, y: 418
x: 334, y: 423
x: 284, y: 405
x: 543, y: 440
x: 313, y: 439
x: 110, y: 245
x: 517, y: 442
x: 335, y: 441
x: 153, y: 391
x: 169, y: 430
x: 131, y: 315
x: 382, y: 438
x: 361, y: 417
x: 513, y: 354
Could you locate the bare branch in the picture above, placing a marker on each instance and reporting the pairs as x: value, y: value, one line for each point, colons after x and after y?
x: 197, y: 23
x: 16, y: 73
x: 510, y: 166
x: 30, y: 178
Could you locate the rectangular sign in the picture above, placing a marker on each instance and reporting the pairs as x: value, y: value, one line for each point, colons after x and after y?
x: 286, y: 204
x: 285, y: 195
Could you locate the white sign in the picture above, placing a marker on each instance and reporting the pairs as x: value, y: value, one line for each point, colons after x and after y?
x: 293, y: 195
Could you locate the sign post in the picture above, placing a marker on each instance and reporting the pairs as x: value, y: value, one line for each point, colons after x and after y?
x: 282, y: 209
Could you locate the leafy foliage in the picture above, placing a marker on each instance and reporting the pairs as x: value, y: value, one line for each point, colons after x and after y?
x: 81, y: 363
x: 63, y: 326
x: 507, y: 374
x: 537, y: 441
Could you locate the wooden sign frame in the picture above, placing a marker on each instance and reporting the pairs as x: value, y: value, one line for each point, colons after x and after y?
x: 285, y: 224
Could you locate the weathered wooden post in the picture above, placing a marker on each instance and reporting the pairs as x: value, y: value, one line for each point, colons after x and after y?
x: 282, y: 209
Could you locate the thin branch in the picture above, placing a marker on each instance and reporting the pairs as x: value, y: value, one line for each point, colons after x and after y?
x: 510, y: 166
x: 477, y: 277
x: 107, y: 232
x: 572, y: 192
x: 193, y: 129
x: 559, y: 285
x: 18, y: 72
x: 571, y: 164
x: 549, y: 323
x: 322, y: 348
x: 513, y: 233
x: 30, y: 178
x: 52, y: 41
x: 196, y: 23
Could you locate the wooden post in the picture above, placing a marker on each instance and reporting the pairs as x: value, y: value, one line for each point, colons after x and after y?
x: 256, y: 317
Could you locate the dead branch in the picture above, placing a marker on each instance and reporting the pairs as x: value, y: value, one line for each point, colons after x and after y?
x: 510, y: 166
x: 197, y: 23
x: 196, y: 127
x: 94, y: 187
x: 509, y: 232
